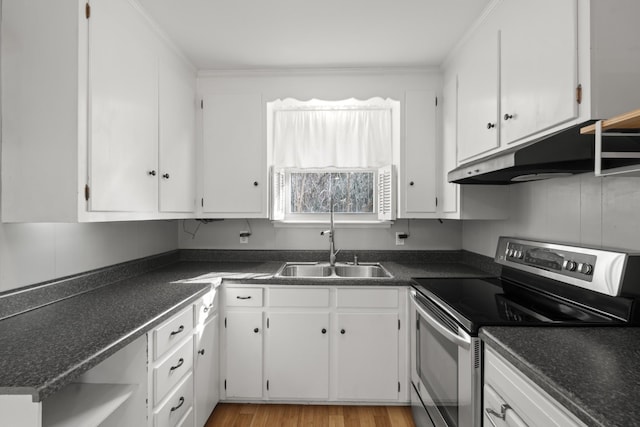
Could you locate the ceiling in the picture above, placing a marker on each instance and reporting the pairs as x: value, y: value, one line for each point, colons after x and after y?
x: 252, y: 34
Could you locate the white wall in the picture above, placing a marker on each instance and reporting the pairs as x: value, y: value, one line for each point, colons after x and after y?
x: 424, y: 235
x: 581, y: 209
x: 33, y: 253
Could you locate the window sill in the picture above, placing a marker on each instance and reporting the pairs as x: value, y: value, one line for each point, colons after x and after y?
x: 337, y: 224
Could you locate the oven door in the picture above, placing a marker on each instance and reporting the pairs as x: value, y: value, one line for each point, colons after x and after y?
x: 446, y: 366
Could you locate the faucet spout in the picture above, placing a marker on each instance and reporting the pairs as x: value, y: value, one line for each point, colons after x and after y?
x: 331, y: 233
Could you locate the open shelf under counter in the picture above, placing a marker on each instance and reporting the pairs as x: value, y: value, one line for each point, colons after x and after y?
x: 84, y: 404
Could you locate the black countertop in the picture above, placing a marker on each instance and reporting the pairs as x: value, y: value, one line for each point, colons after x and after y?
x: 49, y: 345
x: 592, y: 371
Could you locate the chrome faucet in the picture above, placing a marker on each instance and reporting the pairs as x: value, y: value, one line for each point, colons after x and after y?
x: 331, y: 232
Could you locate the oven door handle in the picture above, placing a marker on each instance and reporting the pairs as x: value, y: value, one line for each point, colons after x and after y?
x: 462, y: 340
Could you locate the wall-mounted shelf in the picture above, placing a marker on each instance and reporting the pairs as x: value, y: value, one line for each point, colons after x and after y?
x: 622, y: 157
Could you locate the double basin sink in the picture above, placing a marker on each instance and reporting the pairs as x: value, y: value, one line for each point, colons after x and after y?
x: 340, y: 270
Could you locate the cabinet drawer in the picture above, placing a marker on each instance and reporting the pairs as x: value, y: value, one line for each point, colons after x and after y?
x: 531, y: 403
x: 176, y: 406
x: 367, y: 298
x: 243, y: 297
x: 172, y: 331
x: 172, y: 369
x: 308, y: 297
x: 206, y: 306
x: 187, y: 420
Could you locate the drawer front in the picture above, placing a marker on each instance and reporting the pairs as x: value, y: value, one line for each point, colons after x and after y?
x: 367, y: 298
x: 172, y: 331
x: 188, y: 420
x: 531, y: 403
x: 206, y: 306
x: 243, y: 297
x: 177, y: 405
x: 172, y: 370
x: 308, y: 297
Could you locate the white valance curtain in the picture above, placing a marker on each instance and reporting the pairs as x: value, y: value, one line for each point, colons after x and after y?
x: 341, y: 134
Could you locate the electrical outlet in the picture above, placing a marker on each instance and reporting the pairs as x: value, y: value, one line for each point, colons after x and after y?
x: 400, y: 240
x: 244, y: 237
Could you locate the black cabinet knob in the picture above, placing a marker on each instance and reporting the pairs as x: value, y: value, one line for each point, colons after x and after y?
x: 165, y: 175
x: 342, y: 331
x: 324, y: 330
x: 201, y: 352
x: 411, y: 183
x: 152, y: 173
x: 256, y: 330
x: 491, y: 125
x: 255, y: 183
x: 508, y: 116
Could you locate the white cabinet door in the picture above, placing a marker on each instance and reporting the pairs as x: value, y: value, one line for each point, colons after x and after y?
x: 206, y: 370
x: 123, y: 113
x: 234, y: 173
x: 244, y: 354
x: 297, y: 355
x: 478, y: 122
x: 449, y: 192
x: 177, y: 110
x: 367, y: 356
x: 418, y: 182
x: 538, y: 66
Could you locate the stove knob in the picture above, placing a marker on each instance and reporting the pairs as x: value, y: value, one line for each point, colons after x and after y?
x: 519, y: 254
x: 510, y: 252
x: 585, y: 268
x: 570, y: 265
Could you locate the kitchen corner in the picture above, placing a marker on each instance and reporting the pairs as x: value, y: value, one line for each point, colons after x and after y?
x: 55, y: 332
x: 594, y: 372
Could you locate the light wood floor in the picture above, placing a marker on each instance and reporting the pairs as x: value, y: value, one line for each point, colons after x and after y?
x: 275, y: 415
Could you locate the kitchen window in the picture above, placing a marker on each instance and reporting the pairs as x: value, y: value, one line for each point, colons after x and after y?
x: 340, y: 152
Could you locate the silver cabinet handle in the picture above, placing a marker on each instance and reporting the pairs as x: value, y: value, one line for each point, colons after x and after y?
x: 491, y: 413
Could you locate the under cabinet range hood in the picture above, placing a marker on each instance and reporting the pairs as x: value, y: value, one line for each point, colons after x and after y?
x: 561, y: 154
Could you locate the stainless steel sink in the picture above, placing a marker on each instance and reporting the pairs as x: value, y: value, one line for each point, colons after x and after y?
x: 340, y: 270
x: 374, y: 270
x: 305, y: 270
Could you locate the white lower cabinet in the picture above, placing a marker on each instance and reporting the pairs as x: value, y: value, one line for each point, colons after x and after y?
x: 243, y: 354
x: 206, y: 370
x: 367, y: 356
x: 307, y: 356
x: 512, y: 399
x: 297, y: 355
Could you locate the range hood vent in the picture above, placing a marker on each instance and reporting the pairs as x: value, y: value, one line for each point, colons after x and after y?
x: 561, y: 154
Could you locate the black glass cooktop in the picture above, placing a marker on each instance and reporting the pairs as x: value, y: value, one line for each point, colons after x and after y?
x: 476, y: 302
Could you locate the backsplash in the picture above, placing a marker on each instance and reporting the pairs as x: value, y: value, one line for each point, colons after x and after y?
x: 423, y: 235
x: 583, y: 209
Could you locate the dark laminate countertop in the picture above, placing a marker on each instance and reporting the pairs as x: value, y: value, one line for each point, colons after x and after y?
x: 44, y: 349
x: 593, y: 371
x: 51, y: 340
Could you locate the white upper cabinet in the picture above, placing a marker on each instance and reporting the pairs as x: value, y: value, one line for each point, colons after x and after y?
x: 478, y: 107
x: 123, y: 106
x: 417, y: 185
x: 235, y: 183
x: 539, y: 66
x: 464, y: 201
x: 100, y: 107
x: 177, y: 169
x: 530, y: 69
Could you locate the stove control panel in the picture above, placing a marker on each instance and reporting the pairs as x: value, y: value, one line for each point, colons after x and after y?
x: 608, y: 271
x: 561, y: 261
